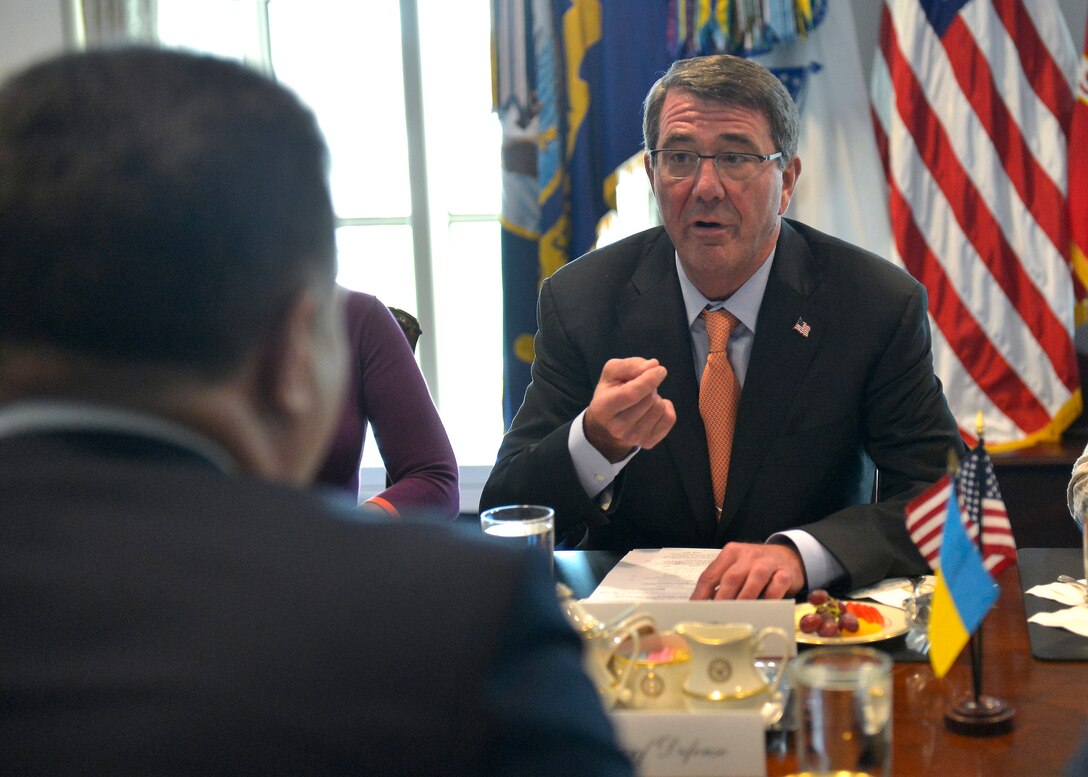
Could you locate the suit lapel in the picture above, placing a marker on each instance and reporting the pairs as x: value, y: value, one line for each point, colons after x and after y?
x: 653, y: 323
x: 780, y: 357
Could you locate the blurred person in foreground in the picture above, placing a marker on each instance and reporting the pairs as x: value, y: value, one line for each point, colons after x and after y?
x: 829, y: 366
x: 171, y: 366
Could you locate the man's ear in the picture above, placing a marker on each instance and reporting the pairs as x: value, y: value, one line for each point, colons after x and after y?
x: 288, y: 386
x: 789, y: 183
x: 301, y: 378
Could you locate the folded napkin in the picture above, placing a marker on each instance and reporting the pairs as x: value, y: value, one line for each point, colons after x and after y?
x: 1074, y: 619
x: 894, y: 592
x: 1063, y: 593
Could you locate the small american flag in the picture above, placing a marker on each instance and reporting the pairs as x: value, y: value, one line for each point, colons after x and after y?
x: 980, y: 501
x: 979, y: 497
x: 802, y: 327
x: 925, y: 519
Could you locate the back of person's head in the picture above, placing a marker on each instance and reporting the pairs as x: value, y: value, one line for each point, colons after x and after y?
x: 157, y: 208
x: 734, y: 81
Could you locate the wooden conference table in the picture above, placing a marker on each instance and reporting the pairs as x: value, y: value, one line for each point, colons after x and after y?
x: 1050, y: 697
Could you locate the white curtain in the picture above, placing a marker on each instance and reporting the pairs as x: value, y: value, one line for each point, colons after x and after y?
x: 108, y: 22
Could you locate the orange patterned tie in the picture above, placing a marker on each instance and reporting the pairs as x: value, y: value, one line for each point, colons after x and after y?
x: 719, y: 396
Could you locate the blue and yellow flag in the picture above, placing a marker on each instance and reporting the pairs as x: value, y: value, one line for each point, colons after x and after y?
x: 965, y: 592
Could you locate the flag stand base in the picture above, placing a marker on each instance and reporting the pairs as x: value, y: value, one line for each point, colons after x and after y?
x: 984, y: 717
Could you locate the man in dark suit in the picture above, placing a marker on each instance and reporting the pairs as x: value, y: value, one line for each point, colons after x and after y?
x: 830, y: 350
x: 171, y: 365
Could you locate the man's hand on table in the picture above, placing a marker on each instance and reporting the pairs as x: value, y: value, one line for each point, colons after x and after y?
x: 749, y: 571
x: 626, y: 411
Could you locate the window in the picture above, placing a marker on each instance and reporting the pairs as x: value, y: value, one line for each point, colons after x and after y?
x: 417, y: 210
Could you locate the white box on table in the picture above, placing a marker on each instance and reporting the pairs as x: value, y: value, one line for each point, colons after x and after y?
x: 690, y: 743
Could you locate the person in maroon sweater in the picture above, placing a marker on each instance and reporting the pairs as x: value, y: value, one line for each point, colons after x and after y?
x: 388, y: 391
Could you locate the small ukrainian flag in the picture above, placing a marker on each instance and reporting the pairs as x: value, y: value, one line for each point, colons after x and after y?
x: 964, y: 593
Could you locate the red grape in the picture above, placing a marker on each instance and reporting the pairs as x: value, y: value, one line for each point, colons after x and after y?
x: 830, y: 617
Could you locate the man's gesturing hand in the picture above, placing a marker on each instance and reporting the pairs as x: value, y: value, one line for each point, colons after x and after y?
x: 747, y: 571
x: 626, y: 410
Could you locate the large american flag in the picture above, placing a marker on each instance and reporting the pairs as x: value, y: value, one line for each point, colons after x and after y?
x: 972, y: 101
x: 980, y: 503
x: 1078, y: 174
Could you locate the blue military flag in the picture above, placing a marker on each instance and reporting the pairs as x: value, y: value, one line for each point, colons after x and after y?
x: 568, y: 89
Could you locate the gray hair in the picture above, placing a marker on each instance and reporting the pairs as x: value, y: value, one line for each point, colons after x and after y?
x: 733, y: 81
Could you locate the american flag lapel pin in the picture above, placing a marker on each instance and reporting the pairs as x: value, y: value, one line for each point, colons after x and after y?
x: 802, y: 327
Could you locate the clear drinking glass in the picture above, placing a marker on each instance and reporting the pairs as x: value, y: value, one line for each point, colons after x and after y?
x: 844, y: 702
x: 531, y: 525
x: 917, y: 608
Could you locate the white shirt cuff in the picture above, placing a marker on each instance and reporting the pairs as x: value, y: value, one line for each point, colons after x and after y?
x: 594, y: 471
x: 820, y: 566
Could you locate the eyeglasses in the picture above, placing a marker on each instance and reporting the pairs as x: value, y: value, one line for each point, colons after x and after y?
x: 680, y: 163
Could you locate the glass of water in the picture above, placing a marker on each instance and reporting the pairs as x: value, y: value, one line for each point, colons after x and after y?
x: 844, y: 701
x: 531, y: 525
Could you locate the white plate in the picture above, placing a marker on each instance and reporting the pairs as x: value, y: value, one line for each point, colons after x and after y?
x: 895, y: 623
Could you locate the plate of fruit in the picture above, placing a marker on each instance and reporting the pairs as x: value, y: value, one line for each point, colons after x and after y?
x: 825, y: 620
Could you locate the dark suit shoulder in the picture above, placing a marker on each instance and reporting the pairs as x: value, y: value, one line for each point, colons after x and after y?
x: 247, y: 608
x: 846, y: 292
x: 616, y: 260
x: 50, y: 480
x: 421, y: 542
x: 844, y: 262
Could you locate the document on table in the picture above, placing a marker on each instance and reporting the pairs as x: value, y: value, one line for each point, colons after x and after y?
x: 664, y: 574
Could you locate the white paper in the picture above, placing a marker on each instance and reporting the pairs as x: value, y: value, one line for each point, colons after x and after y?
x: 656, y: 575
x: 670, y: 574
x: 894, y: 592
